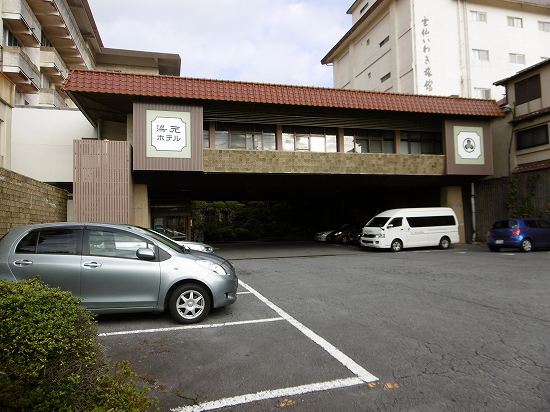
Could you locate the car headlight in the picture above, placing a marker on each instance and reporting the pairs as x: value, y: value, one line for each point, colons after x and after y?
x: 380, y: 235
x: 214, y: 267
x: 337, y: 233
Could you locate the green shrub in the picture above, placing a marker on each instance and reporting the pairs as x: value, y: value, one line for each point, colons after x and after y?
x: 50, y: 357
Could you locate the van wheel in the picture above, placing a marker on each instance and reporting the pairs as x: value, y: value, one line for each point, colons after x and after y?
x: 445, y: 243
x: 189, y: 303
x: 526, y: 245
x: 396, y: 245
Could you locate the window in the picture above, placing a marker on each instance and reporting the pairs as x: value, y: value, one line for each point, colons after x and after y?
x: 385, y: 77
x: 544, y: 26
x: 387, y: 39
x: 515, y: 22
x: 27, y: 244
x: 369, y: 141
x: 9, y: 39
x: 517, y: 58
x: 479, y: 16
x: 426, y: 221
x: 44, y: 41
x: 482, y: 93
x: 205, y: 135
x: 536, y: 136
x: 309, y: 139
x: 58, y: 242
x: 482, y: 55
x: 528, y: 89
x: 115, y: 244
x: 421, y: 143
x: 245, y: 136
x: 396, y: 222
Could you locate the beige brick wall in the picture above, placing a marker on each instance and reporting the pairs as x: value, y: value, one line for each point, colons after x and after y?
x: 25, y: 201
x: 249, y: 161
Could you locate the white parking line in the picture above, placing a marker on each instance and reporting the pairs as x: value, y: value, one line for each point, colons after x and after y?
x: 244, y: 293
x: 201, y: 326
x: 345, y: 360
x: 362, y: 375
x: 258, y: 396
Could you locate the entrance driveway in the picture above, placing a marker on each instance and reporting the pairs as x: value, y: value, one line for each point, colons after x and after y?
x: 327, y: 327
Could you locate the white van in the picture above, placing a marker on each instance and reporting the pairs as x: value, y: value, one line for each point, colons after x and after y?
x: 416, y: 227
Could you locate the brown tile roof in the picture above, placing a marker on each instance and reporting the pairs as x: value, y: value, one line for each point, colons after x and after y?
x: 244, y: 92
x: 531, y: 167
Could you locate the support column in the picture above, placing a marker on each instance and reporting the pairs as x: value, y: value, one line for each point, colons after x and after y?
x: 451, y: 196
x: 340, y: 141
x: 142, y: 215
x: 279, y: 137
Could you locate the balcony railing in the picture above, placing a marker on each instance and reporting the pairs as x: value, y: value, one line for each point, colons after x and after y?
x: 62, y: 30
x: 52, y: 65
x: 17, y: 66
x: 22, y: 22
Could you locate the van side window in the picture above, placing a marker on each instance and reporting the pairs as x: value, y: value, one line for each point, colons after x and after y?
x: 396, y: 222
x: 426, y: 221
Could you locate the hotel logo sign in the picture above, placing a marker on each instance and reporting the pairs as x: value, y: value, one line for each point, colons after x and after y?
x: 469, y: 145
x: 168, y: 134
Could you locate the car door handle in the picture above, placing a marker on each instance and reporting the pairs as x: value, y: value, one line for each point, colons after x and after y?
x: 91, y: 265
x: 23, y: 262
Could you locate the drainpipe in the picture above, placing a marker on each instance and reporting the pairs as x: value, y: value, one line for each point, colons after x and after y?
x: 473, y: 203
x: 99, y: 128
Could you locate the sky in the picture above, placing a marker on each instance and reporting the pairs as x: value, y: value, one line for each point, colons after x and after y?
x: 269, y: 41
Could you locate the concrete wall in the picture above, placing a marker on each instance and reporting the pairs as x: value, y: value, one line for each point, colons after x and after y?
x: 247, y: 161
x: 25, y: 201
x: 42, y: 142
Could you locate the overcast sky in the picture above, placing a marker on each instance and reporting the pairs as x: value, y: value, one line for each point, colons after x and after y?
x: 274, y: 41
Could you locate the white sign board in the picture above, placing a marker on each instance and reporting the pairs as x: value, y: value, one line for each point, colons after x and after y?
x: 168, y: 134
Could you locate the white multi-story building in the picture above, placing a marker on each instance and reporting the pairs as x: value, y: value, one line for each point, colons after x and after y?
x: 40, y: 41
x: 440, y: 47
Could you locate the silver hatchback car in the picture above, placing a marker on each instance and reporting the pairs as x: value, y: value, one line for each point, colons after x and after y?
x: 120, y: 268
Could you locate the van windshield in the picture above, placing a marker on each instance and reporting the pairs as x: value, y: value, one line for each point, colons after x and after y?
x: 377, y: 221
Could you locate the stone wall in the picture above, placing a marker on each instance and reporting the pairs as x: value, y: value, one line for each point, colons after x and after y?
x: 25, y: 201
x: 249, y: 161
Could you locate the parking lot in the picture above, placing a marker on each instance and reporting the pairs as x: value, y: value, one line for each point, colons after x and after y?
x: 330, y: 327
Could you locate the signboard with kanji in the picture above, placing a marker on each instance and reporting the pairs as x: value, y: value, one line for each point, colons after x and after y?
x: 168, y: 134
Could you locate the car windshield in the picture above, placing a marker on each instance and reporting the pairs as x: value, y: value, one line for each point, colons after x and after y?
x: 378, y: 221
x: 164, y: 240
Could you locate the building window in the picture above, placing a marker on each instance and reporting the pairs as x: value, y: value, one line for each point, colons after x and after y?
x: 482, y: 93
x: 421, y: 143
x: 206, y: 135
x: 387, y: 39
x: 515, y: 22
x: 544, y: 26
x: 528, y: 89
x: 482, y: 55
x: 309, y: 139
x: 369, y: 141
x: 44, y: 41
x: 10, y: 39
x: 245, y: 136
x: 536, y: 136
x: 479, y: 16
x: 516, y: 58
x: 385, y: 77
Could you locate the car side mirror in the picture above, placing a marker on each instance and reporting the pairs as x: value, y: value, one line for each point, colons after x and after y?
x: 390, y: 226
x: 146, y: 254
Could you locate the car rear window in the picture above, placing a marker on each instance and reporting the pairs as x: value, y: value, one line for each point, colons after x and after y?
x: 505, y: 224
x: 58, y: 242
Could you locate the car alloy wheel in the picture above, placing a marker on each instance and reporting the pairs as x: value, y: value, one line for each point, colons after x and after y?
x: 526, y: 245
x: 396, y: 245
x: 189, y: 303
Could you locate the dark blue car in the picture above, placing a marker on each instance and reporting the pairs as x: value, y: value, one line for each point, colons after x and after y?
x: 524, y: 234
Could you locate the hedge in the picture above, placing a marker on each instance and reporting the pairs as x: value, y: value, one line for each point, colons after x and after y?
x: 50, y: 356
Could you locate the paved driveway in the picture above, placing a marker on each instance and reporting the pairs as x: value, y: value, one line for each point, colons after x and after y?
x: 327, y: 327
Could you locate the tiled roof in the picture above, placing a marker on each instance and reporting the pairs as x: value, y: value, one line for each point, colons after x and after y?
x: 531, y: 167
x: 244, y: 92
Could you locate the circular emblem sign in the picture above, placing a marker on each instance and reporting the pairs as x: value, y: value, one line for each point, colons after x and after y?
x: 469, y: 145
